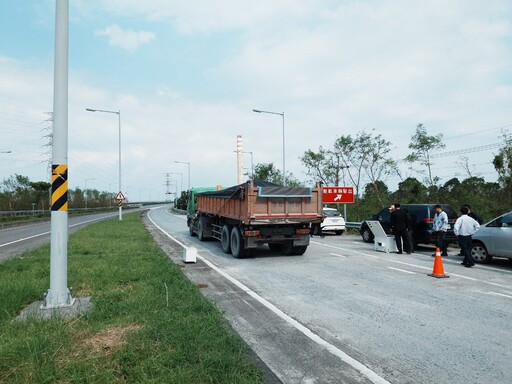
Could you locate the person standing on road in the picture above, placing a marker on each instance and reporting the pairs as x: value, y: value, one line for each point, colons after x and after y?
x: 464, y: 229
x: 399, y: 225
x: 441, y: 225
x: 474, y: 216
x: 410, y: 229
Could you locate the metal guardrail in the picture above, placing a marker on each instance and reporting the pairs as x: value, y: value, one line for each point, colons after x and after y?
x: 353, y: 224
x: 35, y: 212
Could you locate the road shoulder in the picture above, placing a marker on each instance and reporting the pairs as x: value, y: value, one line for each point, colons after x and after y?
x: 284, y: 353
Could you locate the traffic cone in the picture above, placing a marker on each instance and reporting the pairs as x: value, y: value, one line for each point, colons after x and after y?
x: 438, y: 270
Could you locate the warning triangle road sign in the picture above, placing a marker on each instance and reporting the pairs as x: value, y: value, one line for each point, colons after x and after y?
x: 120, y: 196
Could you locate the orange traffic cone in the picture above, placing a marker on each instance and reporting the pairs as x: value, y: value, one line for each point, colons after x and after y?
x: 438, y: 270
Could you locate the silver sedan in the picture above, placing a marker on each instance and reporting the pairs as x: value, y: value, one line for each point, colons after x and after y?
x: 493, y: 239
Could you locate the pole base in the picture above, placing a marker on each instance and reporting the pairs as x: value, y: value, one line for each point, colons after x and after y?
x: 51, y: 302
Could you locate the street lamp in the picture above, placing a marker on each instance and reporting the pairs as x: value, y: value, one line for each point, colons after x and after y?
x: 186, y: 162
x: 118, y: 113
x: 85, y: 190
x: 282, y: 115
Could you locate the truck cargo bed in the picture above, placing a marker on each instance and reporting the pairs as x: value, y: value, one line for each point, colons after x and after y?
x: 256, y: 202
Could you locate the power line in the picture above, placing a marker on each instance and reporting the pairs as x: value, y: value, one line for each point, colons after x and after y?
x: 468, y: 150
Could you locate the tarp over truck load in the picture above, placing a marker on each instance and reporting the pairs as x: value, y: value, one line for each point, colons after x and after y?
x: 262, y: 202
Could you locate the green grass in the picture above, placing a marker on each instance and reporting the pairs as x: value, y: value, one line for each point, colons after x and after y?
x: 136, y: 332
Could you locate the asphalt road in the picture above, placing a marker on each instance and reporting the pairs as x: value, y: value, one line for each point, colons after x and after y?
x: 16, y: 240
x: 344, y: 313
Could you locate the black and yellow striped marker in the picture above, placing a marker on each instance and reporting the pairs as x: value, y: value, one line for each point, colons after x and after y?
x: 59, y: 187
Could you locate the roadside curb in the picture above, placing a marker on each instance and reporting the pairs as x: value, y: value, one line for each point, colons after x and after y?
x: 174, y: 253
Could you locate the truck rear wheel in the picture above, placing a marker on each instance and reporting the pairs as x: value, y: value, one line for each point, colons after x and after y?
x: 225, y: 238
x: 200, y: 229
x: 237, y: 244
x: 290, y: 250
x: 299, y: 250
x: 287, y: 247
x: 274, y: 246
x: 190, y: 224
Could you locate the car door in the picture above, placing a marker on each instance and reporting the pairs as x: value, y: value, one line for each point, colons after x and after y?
x: 502, y: 237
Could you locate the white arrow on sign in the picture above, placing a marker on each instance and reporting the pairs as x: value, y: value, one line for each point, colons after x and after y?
x: 338, y: 197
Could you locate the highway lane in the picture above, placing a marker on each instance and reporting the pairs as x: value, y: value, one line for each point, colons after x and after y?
x: 16, y: 240
x: 381, y: 310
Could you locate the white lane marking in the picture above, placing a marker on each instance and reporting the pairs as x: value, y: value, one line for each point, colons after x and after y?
x: 363, y: 369
x: 498, y: 294
x: 335, y: 254
x: 413, y: 265
x: 46, y: 233
x: 165, y: 233
x: 402, y: 270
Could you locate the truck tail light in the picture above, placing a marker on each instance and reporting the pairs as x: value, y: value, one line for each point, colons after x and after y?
x: 251, y: 233
x: 304, y: 231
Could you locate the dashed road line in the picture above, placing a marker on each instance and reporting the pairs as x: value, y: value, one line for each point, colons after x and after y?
x: 499, y: 294
x: 402, y: 270
x: 412, y: 265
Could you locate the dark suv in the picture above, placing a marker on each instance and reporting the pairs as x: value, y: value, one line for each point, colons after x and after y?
x: 423, y: 219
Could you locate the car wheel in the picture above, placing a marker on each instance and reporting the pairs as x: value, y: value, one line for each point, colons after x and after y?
x: 367, y: 235
x: 339, y: 233
x: 480, y: 254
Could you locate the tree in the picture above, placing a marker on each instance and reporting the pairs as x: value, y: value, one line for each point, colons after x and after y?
x: 378, y: 163
x: 17, y: 192
x: 182, y: 201
x: 326, y: 166
x: 503, y: 161
x: 268, y: 172
x: 411, y: 191
x: 373, y: 201
x: 423, y: 145
x: 42, y: 193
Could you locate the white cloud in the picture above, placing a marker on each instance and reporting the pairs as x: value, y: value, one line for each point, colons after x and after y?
x: 125, y: 39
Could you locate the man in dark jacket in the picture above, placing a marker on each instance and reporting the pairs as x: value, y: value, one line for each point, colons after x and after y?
x: 400, y: 226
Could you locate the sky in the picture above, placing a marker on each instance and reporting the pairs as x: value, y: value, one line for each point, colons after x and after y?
x: 186, y: 76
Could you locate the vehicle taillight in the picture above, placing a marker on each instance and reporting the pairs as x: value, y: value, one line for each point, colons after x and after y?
x: 302, y: 231
x: 428, y: 220
x: 251, y: 233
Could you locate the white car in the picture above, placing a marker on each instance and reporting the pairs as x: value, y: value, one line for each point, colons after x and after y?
x: 493, y: 239
x: 333, y: 221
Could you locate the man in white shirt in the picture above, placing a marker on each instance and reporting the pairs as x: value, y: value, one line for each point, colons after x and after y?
x: 464, y: 229
x: 441, y: 225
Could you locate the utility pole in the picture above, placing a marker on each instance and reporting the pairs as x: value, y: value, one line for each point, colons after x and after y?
x: 59, y: 294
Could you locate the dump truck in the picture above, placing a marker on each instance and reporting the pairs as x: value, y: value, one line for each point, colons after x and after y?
x: 246, y: 216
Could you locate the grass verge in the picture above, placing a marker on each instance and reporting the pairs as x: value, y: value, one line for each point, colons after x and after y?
x: 149, y: 323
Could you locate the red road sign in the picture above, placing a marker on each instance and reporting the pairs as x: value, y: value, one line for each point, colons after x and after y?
x: 120, y: 196
x: 338, y: 194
